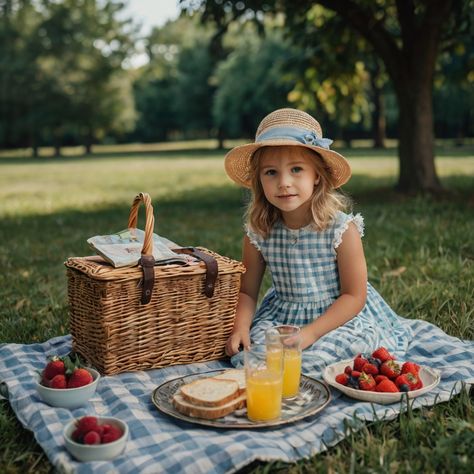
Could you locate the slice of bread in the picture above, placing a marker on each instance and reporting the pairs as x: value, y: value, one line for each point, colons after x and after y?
x: 208, y: 413
x: 210, y: 392
x: 234, y: 374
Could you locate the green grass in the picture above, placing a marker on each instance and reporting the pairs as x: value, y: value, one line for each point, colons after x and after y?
x: 419, y: 251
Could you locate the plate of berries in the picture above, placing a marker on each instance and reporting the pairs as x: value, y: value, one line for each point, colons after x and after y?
x: 380, y: 378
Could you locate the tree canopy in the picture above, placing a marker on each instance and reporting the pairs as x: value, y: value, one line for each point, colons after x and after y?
x: 407, y: 36
x: 363, y: 68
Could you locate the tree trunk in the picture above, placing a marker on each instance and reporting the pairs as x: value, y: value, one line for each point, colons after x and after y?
x: 88, y: 141
x: 57, y: 138
x: 220, y: 138
x: 416, y: 140
x: 378, y: 116
x: 410, y: 64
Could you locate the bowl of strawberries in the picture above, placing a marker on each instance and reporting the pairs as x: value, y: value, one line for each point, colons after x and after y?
x: 379, y: 378
x: 92, y: 438
x: 65, y: 382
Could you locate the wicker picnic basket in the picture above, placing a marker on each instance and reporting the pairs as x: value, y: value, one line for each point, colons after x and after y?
x: 147, y: 316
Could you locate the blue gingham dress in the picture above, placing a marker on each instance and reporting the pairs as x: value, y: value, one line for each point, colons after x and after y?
x: 305, y: 280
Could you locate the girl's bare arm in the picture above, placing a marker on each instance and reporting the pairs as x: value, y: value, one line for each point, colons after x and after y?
x: 248, y: 296
x: 353, y: 279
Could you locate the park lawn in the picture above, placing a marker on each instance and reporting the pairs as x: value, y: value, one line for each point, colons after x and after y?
x: 419, y: 252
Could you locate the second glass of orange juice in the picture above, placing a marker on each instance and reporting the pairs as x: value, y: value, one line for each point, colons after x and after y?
x: 264, y: 385
x: 291, y: 346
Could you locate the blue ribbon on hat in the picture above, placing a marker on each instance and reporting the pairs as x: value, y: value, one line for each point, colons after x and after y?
x: 301, y: 135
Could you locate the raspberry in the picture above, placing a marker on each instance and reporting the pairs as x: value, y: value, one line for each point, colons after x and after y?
x: 91, y: 437
x: 111, y: 433
x: 77, y: 435
x: 87, y: 423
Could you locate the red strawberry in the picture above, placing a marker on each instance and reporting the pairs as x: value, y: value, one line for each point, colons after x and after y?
x: 342, y: 378
x: 402, y: 379
x: 355, y: 374
x: 111, y: 433
x: 54, y: 367
x: 92, y: 437
x: 359, y: 362
x: 79, y: 378
x: 370, y: 369
x: 86, y: 424
x: 58, y: 381
x: 410, y: 367
x: 419, y: 383
x: 408, y: 379
x: 386, y: 386
x: 348, y: 370
x: 390, y: 368
x: 382, y: 354
x: 366, y: 382
x: 379, y: 378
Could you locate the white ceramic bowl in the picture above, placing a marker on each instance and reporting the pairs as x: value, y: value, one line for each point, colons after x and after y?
x: 69, y: 397
x: 96, y: 452
x: 430, y: 378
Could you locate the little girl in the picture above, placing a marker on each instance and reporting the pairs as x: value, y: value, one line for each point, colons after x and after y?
x: 296, y: 226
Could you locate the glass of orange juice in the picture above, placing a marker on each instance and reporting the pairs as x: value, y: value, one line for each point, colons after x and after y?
x: 264, y: 385
x: 291, y: 346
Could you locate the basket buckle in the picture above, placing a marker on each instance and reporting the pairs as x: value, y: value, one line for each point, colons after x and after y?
x: 147, y: 263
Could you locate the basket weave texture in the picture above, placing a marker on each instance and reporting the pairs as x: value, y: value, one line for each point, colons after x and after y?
x: 116, y: 333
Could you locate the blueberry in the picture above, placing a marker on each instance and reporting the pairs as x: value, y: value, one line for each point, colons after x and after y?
x: 375, y: 361
x: 404, y: 387
x: 353, y: 382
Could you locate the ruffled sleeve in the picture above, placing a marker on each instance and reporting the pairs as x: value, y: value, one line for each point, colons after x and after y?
x: 342, y: 224
x: 255, y: 239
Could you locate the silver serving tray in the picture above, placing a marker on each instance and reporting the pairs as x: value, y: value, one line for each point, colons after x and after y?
x: 314, y: 395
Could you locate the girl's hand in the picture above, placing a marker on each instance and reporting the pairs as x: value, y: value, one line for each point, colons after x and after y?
x: 237, y: 339
x: 308, y: 337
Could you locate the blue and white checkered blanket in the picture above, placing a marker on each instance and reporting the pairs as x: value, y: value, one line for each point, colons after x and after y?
x: 158, y: 443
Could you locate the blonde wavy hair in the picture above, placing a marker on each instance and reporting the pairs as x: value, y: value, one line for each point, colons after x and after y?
x: 261, y: 216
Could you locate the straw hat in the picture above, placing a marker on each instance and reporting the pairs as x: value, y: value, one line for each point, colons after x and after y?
x: 285, y: 127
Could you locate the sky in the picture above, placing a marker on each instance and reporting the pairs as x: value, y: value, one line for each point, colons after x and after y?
x: 152, y: 12
x: 148, y: 13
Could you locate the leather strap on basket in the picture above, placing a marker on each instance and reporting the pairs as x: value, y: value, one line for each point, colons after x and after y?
x: 212, y: 268
x: 147, y: 261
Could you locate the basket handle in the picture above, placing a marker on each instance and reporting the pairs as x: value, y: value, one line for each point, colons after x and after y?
x: 147, y: 261
x: 212, y: 268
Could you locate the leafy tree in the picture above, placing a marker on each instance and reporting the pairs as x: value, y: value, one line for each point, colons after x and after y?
x: 406, y: 35
x: 193, y: 105
x: 454, y: 91
x: 19, y: 72
x: 63, y: 71
x: 333, y: 79
x: 154, y: 101
x: 174, y: 90
x: 252, y: 81
x: 83, y: 50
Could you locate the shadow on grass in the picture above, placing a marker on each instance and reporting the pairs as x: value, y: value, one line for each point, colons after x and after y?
x: 210, y: 217
x: 34, y: 247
